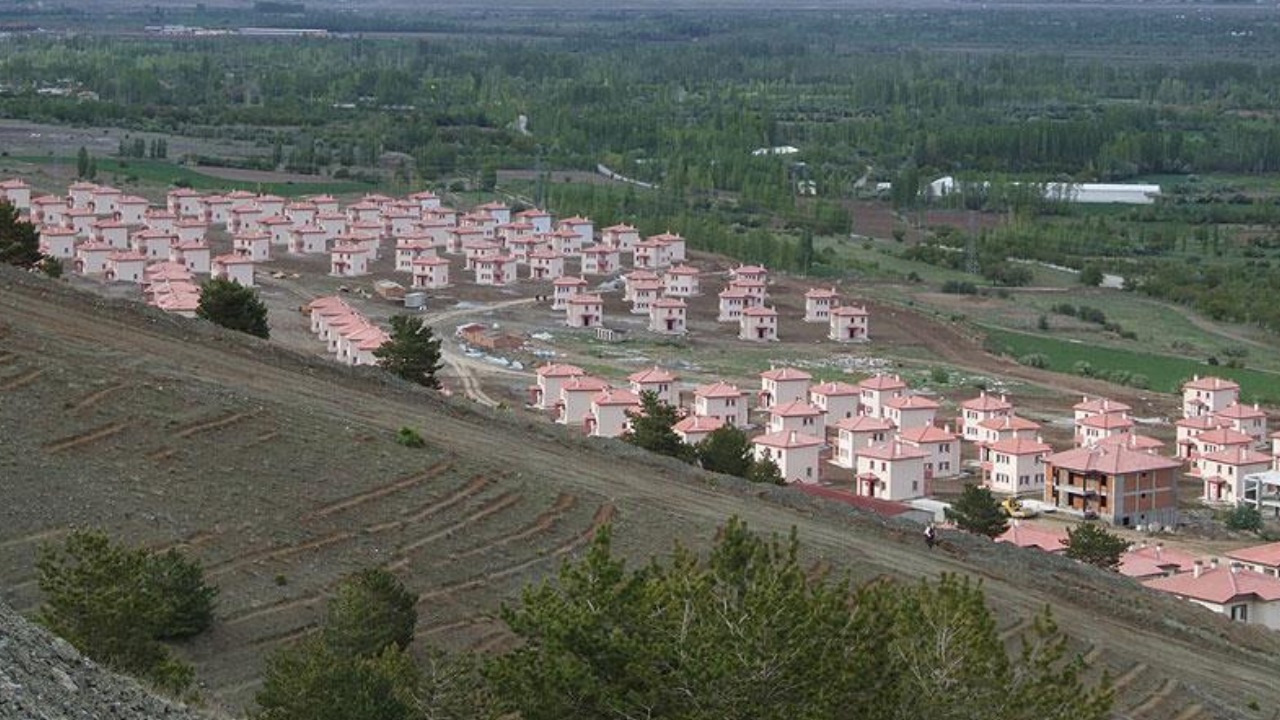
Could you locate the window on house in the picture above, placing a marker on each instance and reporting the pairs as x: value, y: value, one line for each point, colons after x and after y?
x: 808, y: 472
x: 1240, y: 612
x: 915, y: 485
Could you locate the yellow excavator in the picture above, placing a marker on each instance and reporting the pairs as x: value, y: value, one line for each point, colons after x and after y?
x: 1013, y: 508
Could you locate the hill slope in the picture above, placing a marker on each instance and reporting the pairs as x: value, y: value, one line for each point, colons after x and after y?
x: 279, y: 472
x: 43, y: 678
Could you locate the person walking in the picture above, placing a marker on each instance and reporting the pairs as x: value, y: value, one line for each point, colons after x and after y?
x: 930, y: 536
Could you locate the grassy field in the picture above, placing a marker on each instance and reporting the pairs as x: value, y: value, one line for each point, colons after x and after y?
x: 166, y: 174
x: 1165, y: 372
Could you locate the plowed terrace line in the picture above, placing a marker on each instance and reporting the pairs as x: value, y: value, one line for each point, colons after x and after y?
x: 641, y: 489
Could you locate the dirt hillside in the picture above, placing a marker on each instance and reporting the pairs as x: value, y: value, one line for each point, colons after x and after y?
x: 280, y: 473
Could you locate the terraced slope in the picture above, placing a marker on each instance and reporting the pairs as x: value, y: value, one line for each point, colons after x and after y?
x: 281, y: 474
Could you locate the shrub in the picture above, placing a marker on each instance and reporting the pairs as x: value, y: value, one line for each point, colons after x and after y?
x: 233, y: 306
x: 939, y: 376
x: 1035, y: 360
x: 115, y: 603
x: 410, y: 438
x: 1064, y: 309
x: 1245, y: 518
x: 1084, y: 368
x: 1093, y: 315
x: 959, y: 287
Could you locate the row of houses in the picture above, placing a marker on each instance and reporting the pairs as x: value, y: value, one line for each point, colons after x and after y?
x: 350, y: 337
x: 1244, y: 587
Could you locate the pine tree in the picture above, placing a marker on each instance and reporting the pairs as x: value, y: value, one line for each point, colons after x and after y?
x: 1091, y: 543
x: 746, y: 632
x: 233, y: 306
x: 977, y: 511
x: 82, y: 163
x: 727, y: 450
x: 651, y: 428
x: 765, y: 471
x: 370, y: 612
x: 412, y: 353
x: 19, y: 241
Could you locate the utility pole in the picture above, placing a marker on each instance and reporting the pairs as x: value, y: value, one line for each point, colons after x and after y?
x: 971, y: 246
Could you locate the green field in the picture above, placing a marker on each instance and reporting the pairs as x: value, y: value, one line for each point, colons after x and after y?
x: 167, y: 174
x: 1166, y: 373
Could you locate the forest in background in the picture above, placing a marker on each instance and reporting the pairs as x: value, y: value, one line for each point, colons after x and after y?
x: 1005, y: 97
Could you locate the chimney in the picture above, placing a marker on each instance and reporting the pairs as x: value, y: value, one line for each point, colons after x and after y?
x: 791, y: 438
x: 1159, y: 549
x: 1142, y: 545
x: 1197, y: 569
x: 1235, y: 568
x: 1213, y: 563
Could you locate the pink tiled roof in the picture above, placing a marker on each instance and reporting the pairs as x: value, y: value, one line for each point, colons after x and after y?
x: 95, y: 247
x: 585, y: 383
x: 1107, y: 422
x: 987, y: 403
x: 1220, y: 585
x: 1236, y: 411
x: 718, y: 390
x: 326, y: 302
x: 654, y: 374
x: 760, y: 311
x: 585, y: 300
x: 834, y: 388
x: 617, y: 397
x: 1238, y: 455
x: 795, y: 408
x: 1201, y: 422
x: 1100, y: 405
x: 568, y: 280
x: 430, y: 262
x: 895, y: 450
x: 640, y: 275
x: 668, y: 302
x: 1154, y: 560
x: 927, y: 434
x: 619, y: 228
x: 684, y: 270
x: 882, y: 382
x: 912, y: 402
x: 1009, y: 422
x: 560, y: 370
x: 127, y: 256
x: 785, y: 373
x: 698, y: 424
x: 1224, y: 436
x: 1132, y: 440
x: 732, y: 292
x: 788, y: 440
x: 850, y: 311
x: 864, y: 423
x: 1024, y: 445
x: 1268, y: 554
x: 1026, y: 535
x: 821, y: 293
x: 1110, y: 460
x: 1211, y: 383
